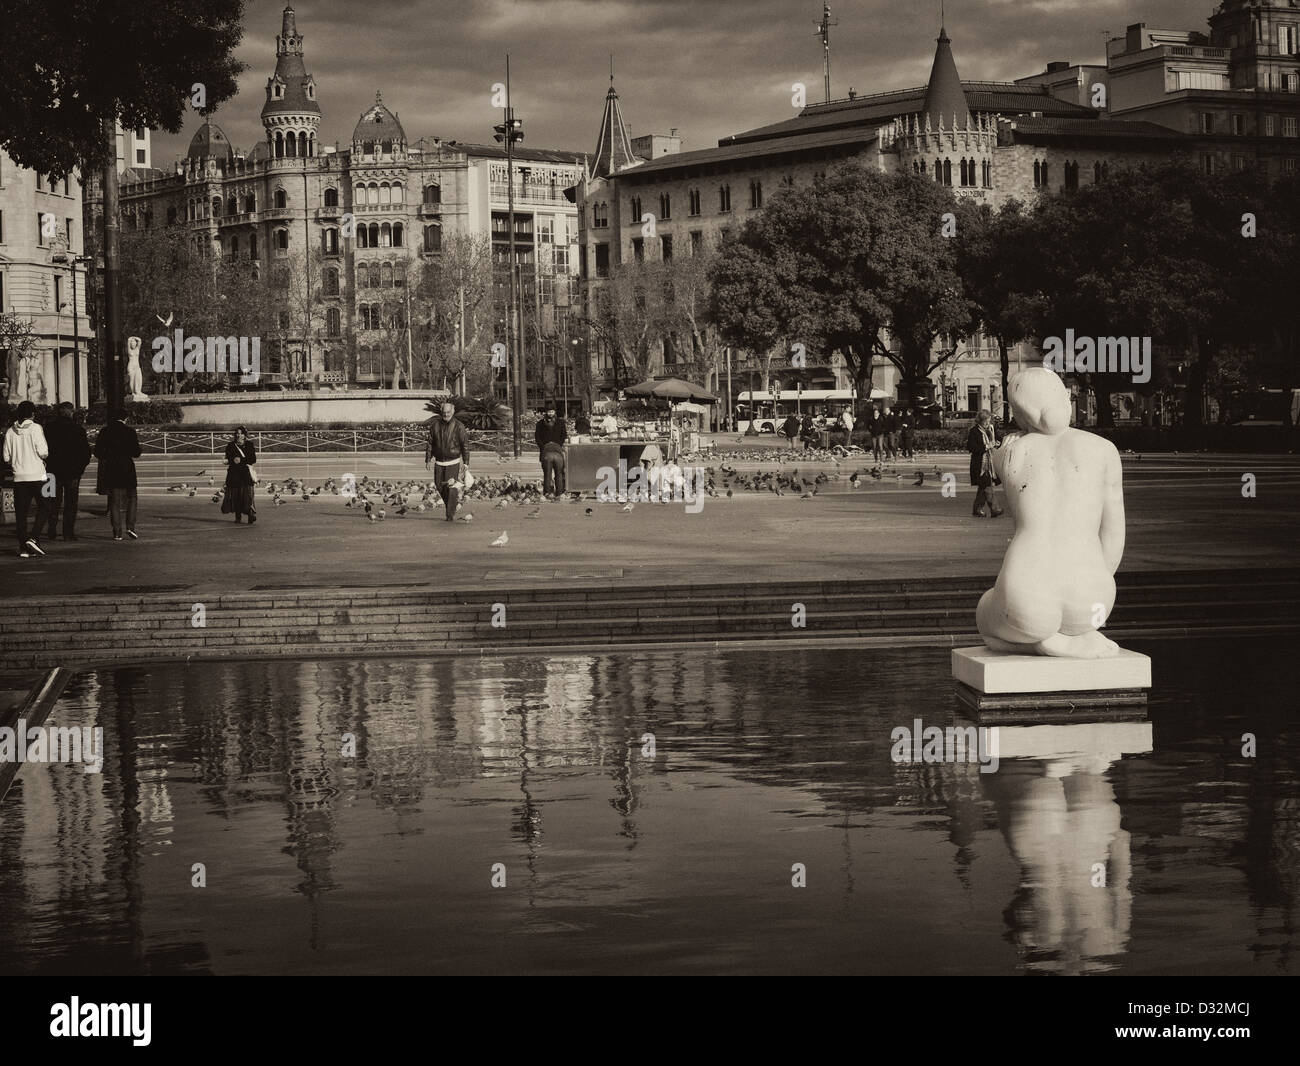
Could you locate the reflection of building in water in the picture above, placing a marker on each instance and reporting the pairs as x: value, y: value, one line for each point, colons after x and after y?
x: 1073, y: 909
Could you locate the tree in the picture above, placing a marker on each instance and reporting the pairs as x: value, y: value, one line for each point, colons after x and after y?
x: 71, y: 66
x: 630, y: 314
x: 690, y: 314
x: 452, y: 313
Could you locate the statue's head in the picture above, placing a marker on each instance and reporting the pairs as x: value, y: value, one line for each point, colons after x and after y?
x: 1039, y: 401
x: 133, y: 345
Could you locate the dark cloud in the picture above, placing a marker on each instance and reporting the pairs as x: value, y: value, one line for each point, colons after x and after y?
x: 706, y: 67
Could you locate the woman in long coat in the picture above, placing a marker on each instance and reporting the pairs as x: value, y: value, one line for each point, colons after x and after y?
x: 240, y: 456
x: 979, y: 442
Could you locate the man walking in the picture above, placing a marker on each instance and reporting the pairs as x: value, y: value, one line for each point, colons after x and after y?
x: 791, y: 429
x: 448, y: 448
x: 69, y: 455
x: 25, y: 449
x: 117, y: 448
x: 890, y: 426
x: 905, y: 422
x: 550, y: 437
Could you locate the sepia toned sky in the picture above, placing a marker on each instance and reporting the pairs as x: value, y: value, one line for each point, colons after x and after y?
x: 707, y: 67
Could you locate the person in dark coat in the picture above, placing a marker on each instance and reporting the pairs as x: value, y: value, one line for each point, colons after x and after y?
x: 790, y: 427
x: 905, y: 423
x: 550, y: 437
x: 69, y: 457
x: 117, y: 448
x: 876, y: 427
x: 240, y: 455
x: 448, y: 448
x: 980, y: 442
x: 582, y: 424
x: 890, y: 426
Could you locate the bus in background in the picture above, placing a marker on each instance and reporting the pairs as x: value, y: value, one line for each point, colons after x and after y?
x: 768, y: 411
x: 1265, y: 407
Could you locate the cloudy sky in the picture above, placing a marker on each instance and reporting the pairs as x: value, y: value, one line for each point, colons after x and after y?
x: 707, y: 67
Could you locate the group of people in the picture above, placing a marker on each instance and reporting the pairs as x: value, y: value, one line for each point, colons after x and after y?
x: 47, y: 462
x: 891, y: 434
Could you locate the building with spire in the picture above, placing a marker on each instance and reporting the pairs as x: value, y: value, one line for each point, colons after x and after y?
x: 988, y: 141
x: 348, y: 226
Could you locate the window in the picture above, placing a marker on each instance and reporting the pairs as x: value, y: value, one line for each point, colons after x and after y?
x: 1207, y: 162
x: 385, y: 236
x: 331, y: 197
x: 39, y: 179
x: 373, y: 234
x: 1289, y: 165
x: 1286, y: 39
x: 694, y: 198
x: 938, y: 171
x: 755, y: 195
x: 433, y: 194
x: 1239, y: 125
x: 1072, y: 175
x: 58, y: 293
x: 67, y: 232
x: 964, y: 180
x: 386, y: 275
x: 250, y: 204
x: 1207, y: 121
x: 332, y: 322
x: 234, y: 246
x: 139, y: 156
x: 216, y: 207
x: 638, y: 249
x: 331, y: 241
x: 40, y: 229
x: 252, y: 246
x: 602, y: 260
x: 665, y: 206
x: 399, y: 275
x: 697, y: 241
x: 636, y: 209
x: 988, y: 174
x: 666, y: 246
x: 387, y: 146
x: 281, y: 198
x: 599, y: 215
x: 1270, y: 126
x: 1289, y: 125
x: 947, y: 172
x: 724, y: 198
x: 284, y: 320
x: 282, y: 239
x: 433, y: 238
x: 1293, y: 82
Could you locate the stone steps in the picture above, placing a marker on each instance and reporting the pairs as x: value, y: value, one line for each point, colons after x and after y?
x: 375, y: 622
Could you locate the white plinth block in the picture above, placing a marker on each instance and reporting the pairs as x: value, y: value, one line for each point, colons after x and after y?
x: 996, y: 672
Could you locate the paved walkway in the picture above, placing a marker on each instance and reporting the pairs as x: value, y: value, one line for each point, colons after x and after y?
x: 1184, y: 512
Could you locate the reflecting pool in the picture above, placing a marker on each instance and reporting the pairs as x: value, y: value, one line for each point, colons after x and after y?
x: 651, y: 813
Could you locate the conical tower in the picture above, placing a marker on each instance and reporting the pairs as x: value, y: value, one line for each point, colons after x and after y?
x: 291, y: 115
x: 613, y: 146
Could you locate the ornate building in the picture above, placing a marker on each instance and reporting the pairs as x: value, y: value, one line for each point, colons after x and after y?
x: 988, y: 141
x: 354, y: 223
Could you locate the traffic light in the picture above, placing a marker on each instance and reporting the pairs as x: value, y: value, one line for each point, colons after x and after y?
x: 514, y: 127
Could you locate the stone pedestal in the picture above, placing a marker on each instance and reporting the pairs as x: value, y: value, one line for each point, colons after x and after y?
x: 1033, y: 686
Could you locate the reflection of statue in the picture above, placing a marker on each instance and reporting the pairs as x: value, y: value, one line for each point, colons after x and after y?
x: 1072, y: 911
x: 134, y: 380
x: 1065, y: 492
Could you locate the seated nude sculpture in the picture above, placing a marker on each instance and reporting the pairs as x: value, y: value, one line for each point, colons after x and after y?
x: 1065, y: 492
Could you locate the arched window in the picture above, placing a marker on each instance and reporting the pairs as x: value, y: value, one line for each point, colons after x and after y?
x: 279, y: 145
x: 1038, y: 174
x: 374, y: 234
x: 302, y: 144
x: 1044, y: 172
x: 291, y: 145
x: 433, y: 238
x: 433, y: 194
x: 331, y: 197
x: 216, y: 207
x: 332, y: 322
x: 368, y: 147
x: 281, y: 198
x: 399, y: 274
x: 963, y: 171
x: 331, y: 242
x: 385, y: 236
x: 372, y: 273
x: 232, y: 206
x: 387, y: 146
x: 363, y: 241
x: 397, y: 235
x: 988, y: 174
x: 386, y: 276
x: 358, y: 194
x: 282, y: 239
x: 636, y: 209
x: 366, y: 368
x: 938, y: 171
x: 250, y: 203
x: 234, y: 246
x: 399, y: 193
x: 372, y: 196
x: 331, y: 282
x: 947, y: 171
x: 385, y: 194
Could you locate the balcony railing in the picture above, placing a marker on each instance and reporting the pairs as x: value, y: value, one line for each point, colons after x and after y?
x: 540, y: 194
x: 328, y: 214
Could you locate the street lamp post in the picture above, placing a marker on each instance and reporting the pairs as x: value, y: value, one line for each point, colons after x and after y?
x: 509, y: 132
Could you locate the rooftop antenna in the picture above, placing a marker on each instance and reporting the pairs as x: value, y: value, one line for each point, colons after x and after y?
x: 824, y: 32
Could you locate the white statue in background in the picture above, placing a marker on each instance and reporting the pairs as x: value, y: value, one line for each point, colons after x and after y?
x: 31, y: 377
x: 1065, y: 492
x: 134, y: 379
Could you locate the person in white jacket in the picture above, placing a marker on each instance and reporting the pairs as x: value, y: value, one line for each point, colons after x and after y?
x: 25, y: 450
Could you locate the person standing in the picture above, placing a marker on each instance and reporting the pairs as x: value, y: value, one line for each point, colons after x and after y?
x: 847, y: 420
x: 117, y: 448
x: 25, y: 449
x: 550, y: 436
x: 448, y: 448
x: 876, y: 427
x: 69, y: 457
x: 905, y: 423
x: 240, y: 477
x: 980, y: 442
x: 890, y: 421
x: 582, y: 424
x: 790, y: 427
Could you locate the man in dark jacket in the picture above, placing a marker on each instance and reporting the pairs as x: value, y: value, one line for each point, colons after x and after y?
x: 905, y: 423
x: 791, y: 429
x: 876, y: 427
x: 69, y: 456
x: 550, y: 437
x: 117, y: 447
x: 889, y: 422
x: 448, y: 448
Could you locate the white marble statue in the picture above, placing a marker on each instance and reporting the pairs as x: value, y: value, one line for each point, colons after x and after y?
x: 31, y: 377
x: 1065, y: 492
x: 134, y: 379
